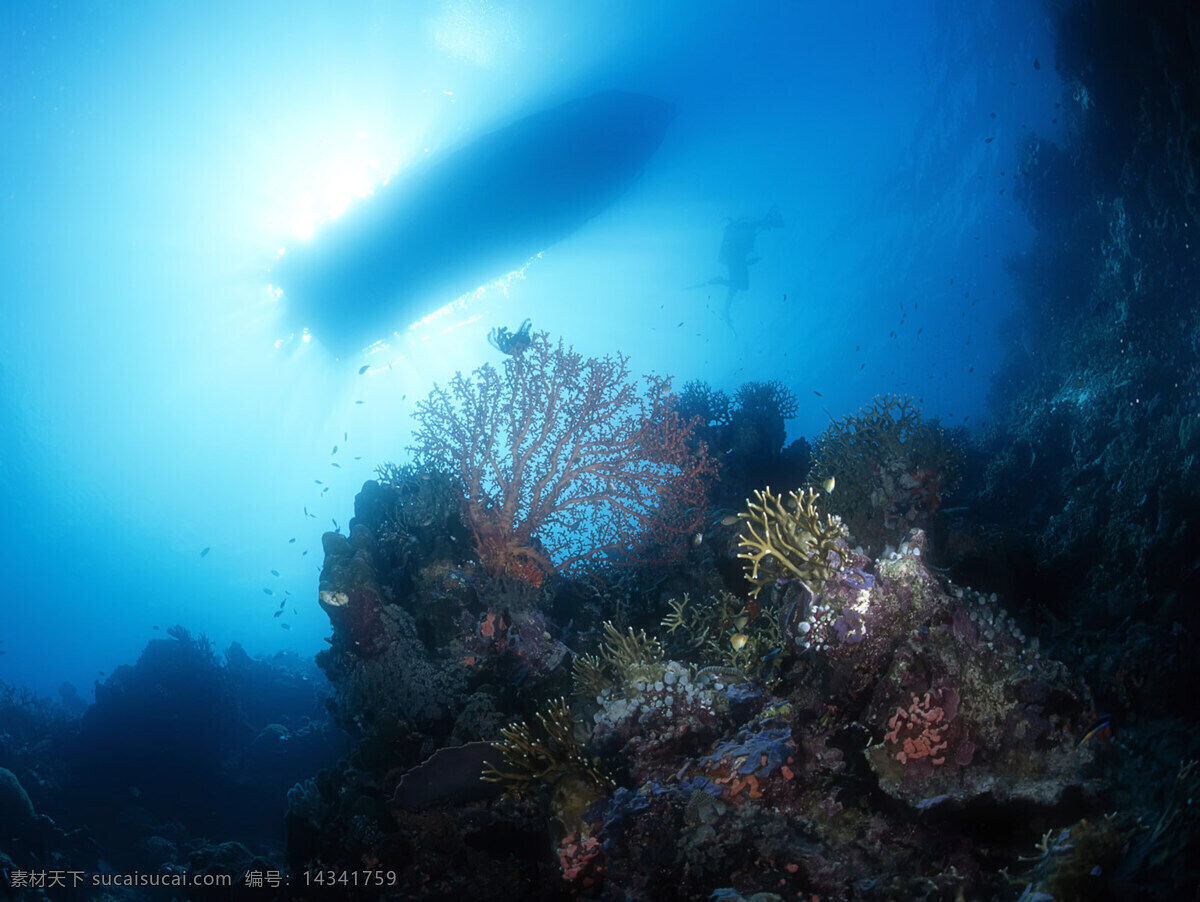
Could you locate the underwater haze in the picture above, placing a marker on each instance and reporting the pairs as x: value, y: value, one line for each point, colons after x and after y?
x: 159, y: 400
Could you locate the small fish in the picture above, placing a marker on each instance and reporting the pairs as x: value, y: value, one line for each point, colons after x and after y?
x: 739, y: 623
x: 360, y: 402
x: 1100, y: 730
x: 286, y: 626
x: 292, y: 540
x: 335, y: 526
x: 1037, y: 63
x: 358, y: 458
x: 345, y: 436
x: 335, y: 464
x: 282, y: 605
x: 206, y: 551
x: 730, y: 520
x: 362, y: 369
x: 274, y: 572
x: 323, y: 491
x: 817, y: 393
x: 306, y: 512
x: 318, y: 482
x: 156, y: 626
x: 697, y: 539
x: 334, y: 451
x: 268, y: 592
x: 738, y: 641
x: 829, y: 485
x: 304, y: 552
x: 988, y: 140
x: 278, y: 613
x: 297, y: 613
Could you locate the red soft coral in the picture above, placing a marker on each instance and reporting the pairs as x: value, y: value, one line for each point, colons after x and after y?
x: 563, y: 463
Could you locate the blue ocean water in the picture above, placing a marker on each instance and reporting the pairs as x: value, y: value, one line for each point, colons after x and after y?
x: 158, y: 402
x: 345, y: 556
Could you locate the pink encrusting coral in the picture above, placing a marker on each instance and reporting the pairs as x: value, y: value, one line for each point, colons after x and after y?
x: 577, y: 858
x: 918, y: 730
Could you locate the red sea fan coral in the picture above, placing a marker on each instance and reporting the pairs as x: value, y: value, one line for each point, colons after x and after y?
x: 563, y: 463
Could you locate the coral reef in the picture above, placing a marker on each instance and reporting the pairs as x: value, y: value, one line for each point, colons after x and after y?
x: 555, y: 759
x: 748, y: 435
x: 727, y: 630
x: 789, y: 540
x: 563, y: 464
x: 803, y: 700
x: 891, y: 469
x: 180, y: 766
x: 772, y: 724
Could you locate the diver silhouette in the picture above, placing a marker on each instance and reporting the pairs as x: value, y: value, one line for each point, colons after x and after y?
x: 511, y: 343
x: 737, y: 255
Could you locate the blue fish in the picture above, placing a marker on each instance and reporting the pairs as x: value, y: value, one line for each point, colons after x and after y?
x: 1100, y: 730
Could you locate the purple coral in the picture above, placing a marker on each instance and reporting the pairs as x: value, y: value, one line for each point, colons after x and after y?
x: 758, y: 753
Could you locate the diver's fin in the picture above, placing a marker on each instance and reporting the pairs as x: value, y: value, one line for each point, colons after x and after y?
x: 716, y: 280
x: 726, y: 314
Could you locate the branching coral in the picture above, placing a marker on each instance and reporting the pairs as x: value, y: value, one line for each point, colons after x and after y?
x: 589, y: 676
x: 789, y: 541
x: 773, y: 399
x: 623, y: 652
x: 555, y: 759
x: 624, y: 658
x: 563, y: 463
x: 892, y: 470
x: 1166, y: 846
x: 726, y: 630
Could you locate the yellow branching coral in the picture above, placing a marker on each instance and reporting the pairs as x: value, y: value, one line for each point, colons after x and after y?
x: 556, y: 760
x: 624, y: 659
x: 624, y: 652
x: 589, y: 676
x: 724, y: 629
x: 700, y: 625
x: 789, y: 540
